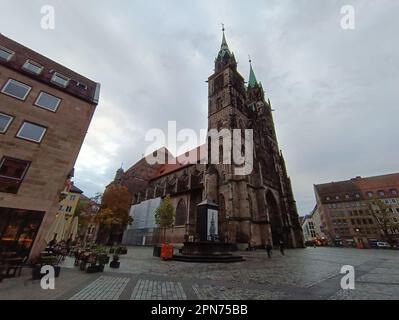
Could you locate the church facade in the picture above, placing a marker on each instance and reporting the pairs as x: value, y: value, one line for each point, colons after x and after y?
x: 254, y: 208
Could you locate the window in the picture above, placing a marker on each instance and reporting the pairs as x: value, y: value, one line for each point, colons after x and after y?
x: 81, y: 85
x: 370, y: 221
x: 47, y: 101
x: 394, y: 192
x: 357, y: 195
x: 12, y: 172
x: 31, y: 132
x: 381, y: 193
x: 16, y: 89
x: 328, y: 198
x: 347, y: 196
x: 5, y: 54
x: 68, y: 209
x: 32, y: 67
x: 72, y: 197
x: 370, y: 194
x: 5, y: 121
x: 337, y: 197
x: 60, y: 80
x: 61, y: 207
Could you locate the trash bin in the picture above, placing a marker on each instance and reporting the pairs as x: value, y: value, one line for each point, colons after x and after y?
x: 157, y: 251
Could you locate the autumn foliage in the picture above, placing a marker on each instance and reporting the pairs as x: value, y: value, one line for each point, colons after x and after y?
x: 114, y: 214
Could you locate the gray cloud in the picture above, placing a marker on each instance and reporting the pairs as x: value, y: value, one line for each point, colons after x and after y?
x: 335, y: 91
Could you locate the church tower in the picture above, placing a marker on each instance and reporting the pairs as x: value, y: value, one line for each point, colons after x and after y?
x: 257, y: 207
x: 227, y: 110
x: 271, y: 182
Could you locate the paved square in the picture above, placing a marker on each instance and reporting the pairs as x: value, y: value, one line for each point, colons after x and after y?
x: 158, y: 290
x: 311, y: 273
x: 103, y: 288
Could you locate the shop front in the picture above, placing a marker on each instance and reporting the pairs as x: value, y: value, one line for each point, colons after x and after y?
x: 18, y: 230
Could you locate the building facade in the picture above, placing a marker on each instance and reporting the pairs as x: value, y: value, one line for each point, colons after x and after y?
x: 65, y: 226
x: 45, y: 112
x: 311, y: 229
x: 253, y: 208
x: 349, y: 212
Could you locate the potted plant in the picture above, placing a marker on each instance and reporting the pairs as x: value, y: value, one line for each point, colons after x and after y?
x: 164, y: 218
x: 121, y: 250
x: 115, y: 263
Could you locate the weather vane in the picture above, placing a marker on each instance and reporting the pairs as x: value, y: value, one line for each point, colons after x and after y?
x: 249, y: 59
x: 223, y: 27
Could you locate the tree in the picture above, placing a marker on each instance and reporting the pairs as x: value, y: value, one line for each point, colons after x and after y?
x: 380, y: 211
x: 114, y: 213
x: 165, y: 214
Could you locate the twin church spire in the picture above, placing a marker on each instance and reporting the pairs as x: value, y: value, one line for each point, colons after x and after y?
x: 225, y: 57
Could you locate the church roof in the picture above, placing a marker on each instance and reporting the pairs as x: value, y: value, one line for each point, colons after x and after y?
x: 191, y: 157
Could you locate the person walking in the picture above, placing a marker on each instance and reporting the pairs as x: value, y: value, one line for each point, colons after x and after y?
x: 269, y: 248
x: 282, y: 247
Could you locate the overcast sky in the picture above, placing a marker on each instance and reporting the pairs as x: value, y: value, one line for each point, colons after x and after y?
x: 335, y: 91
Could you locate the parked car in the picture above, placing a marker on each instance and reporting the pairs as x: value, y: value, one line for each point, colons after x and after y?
x: 383, y: 245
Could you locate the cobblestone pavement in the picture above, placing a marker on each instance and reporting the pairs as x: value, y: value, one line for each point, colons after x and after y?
x: 312, y: 273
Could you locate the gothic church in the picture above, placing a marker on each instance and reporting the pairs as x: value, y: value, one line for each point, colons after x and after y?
x: 254, y: 208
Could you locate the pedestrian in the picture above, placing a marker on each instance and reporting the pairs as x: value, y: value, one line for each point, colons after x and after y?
x: 269, y: 248
x: 282, y: 247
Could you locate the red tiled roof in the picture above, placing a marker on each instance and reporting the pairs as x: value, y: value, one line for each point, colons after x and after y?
x: 358, y: 185
x: 189, y: 158
x: 22, y: 54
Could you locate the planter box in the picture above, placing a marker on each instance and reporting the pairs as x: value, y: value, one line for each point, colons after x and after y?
x: 95, y: 268
x: 115, y: 264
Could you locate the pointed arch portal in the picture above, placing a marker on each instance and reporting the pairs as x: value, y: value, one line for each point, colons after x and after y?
x: 181, y: 213
x: 274, y: 217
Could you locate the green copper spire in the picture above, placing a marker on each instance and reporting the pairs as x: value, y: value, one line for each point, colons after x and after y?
x: 252, y: 78
x: 224, y: 48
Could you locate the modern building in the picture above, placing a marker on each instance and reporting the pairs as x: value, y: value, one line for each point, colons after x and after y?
x: 309, y: 232
x: 253, y: 208
x: 65, y: 226
x: 348, y: 213
x: 45, y: 112
x: 311, y: 229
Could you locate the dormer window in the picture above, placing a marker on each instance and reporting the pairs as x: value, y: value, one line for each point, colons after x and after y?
x: 60, y: 80
x: 33, y: 67
x: 81, y: 85
x: 6, y: 54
